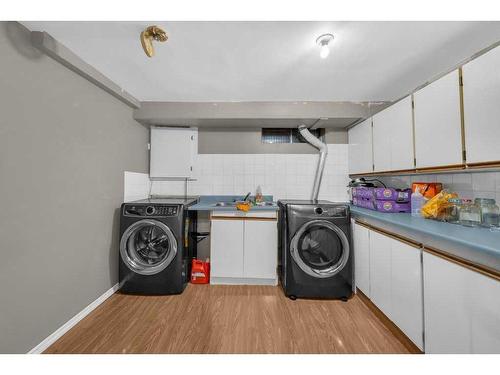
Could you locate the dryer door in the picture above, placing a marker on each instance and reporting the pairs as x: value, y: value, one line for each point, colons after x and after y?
x: 320, y: 249
x: 148, y: 247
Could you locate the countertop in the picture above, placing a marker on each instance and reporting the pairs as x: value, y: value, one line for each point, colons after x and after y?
x: 207, y: 203
x: 479, y: 245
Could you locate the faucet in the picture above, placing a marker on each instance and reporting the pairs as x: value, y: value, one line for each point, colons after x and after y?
x: 244, y: 199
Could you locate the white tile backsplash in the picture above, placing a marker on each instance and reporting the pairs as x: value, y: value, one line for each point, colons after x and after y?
x: 466, y: 184
x: 135, y: 186
x: 285, y: 176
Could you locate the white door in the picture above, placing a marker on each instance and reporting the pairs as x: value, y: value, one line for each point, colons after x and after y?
x: 360, y: 148
x: 393, y: 137
x: 380, y: 272
x: 361, y: 239
x: 485, y: 313
x: 406, y: 284
x: 446, y: 306
x: 481, y: 107
x: 438, y: 130
x: 462, y: 309
x: 226, y: 248
x: 402, y: 135
x: 172, y: 152
x: 260, y: 249
x: 381, y: 142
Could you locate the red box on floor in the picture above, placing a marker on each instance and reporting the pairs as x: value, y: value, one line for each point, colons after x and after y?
x: 200, y: 272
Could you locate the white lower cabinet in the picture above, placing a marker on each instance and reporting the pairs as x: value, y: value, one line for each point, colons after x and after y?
x: 244, y: 250
x: 462, y: 309
x: 406, y: 291
x: 361, y: 239
x: 226, y: 248
x: 260, y: 249
x: 393, y: 279
x: 380, y: 272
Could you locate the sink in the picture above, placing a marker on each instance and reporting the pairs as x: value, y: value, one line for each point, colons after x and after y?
x: 225, y: 204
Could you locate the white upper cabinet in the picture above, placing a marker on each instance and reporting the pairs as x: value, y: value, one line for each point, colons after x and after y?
x: 173, y: 152
x: 438, y: 130
x: 481, y: 107
x: 360, y: 148
x: 393, y: 137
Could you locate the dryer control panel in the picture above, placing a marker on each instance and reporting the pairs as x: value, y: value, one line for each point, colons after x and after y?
x: 150, y: 210
x: 339, y: 211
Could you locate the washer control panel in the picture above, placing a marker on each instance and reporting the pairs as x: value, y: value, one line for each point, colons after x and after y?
x: 150, y: 210
x: 340, y: 211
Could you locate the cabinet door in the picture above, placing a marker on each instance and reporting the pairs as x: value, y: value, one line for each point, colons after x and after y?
x: 485, y: 313
x: 462, y: 309
x: 172, y: 152
x: 393, y: 137
x: 360, y: 148
x: 406, y: 284
x: 446, y: 307
x: 380, y: 272
x: 260, y: 249
x: 381, y: 142
x: 226, y: 248
x: 438, y: 129
x: 361, y: 239
x: 481, y: 107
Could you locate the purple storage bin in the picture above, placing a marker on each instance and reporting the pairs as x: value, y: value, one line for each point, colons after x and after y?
x: 391, y: 206
x: 363, y: 192
x: 364, y: 203
x: 390, y: 194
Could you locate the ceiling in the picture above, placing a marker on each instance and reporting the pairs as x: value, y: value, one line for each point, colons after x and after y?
x: 273, y: 61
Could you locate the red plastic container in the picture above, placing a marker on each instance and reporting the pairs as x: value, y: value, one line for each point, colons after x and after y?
x: 200, y: 272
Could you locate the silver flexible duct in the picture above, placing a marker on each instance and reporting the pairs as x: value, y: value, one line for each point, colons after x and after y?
x: 323, y: 152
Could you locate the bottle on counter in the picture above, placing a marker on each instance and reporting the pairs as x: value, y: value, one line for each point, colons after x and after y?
x: 490, y: 213
x: 452, y: 213
x: 258, y: 195
x: 417, y: 201
x: 470, y: 213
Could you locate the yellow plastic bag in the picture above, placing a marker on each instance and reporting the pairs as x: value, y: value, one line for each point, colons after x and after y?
x: 245, y: 206
x: 435, y: 208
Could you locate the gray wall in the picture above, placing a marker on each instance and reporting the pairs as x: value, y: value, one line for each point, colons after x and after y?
x: 247, y: 141
x: 64, y: 145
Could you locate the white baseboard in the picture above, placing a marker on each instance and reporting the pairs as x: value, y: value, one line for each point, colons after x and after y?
x: 40, y: 348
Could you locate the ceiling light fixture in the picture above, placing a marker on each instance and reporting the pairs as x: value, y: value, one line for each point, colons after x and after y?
x: 322, y: 41
x: 148, y: 35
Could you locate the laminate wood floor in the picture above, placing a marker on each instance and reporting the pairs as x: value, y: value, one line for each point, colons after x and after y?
x: 228, y: 319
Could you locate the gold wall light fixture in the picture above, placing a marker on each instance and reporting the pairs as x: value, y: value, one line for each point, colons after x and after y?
x: 148, y: 35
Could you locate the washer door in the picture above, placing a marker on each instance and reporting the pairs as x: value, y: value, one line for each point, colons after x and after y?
x: 320, y: 249
x: 148, y: 247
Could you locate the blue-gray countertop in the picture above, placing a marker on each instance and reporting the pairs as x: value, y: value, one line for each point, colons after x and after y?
x: 478, y: 245
x: 207, y: 203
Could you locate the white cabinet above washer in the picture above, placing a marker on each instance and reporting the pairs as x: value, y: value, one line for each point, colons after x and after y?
x: 173, y: 152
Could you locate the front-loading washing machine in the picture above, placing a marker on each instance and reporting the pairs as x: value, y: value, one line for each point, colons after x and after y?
x: 156, y: 246
x: 315, y: 249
